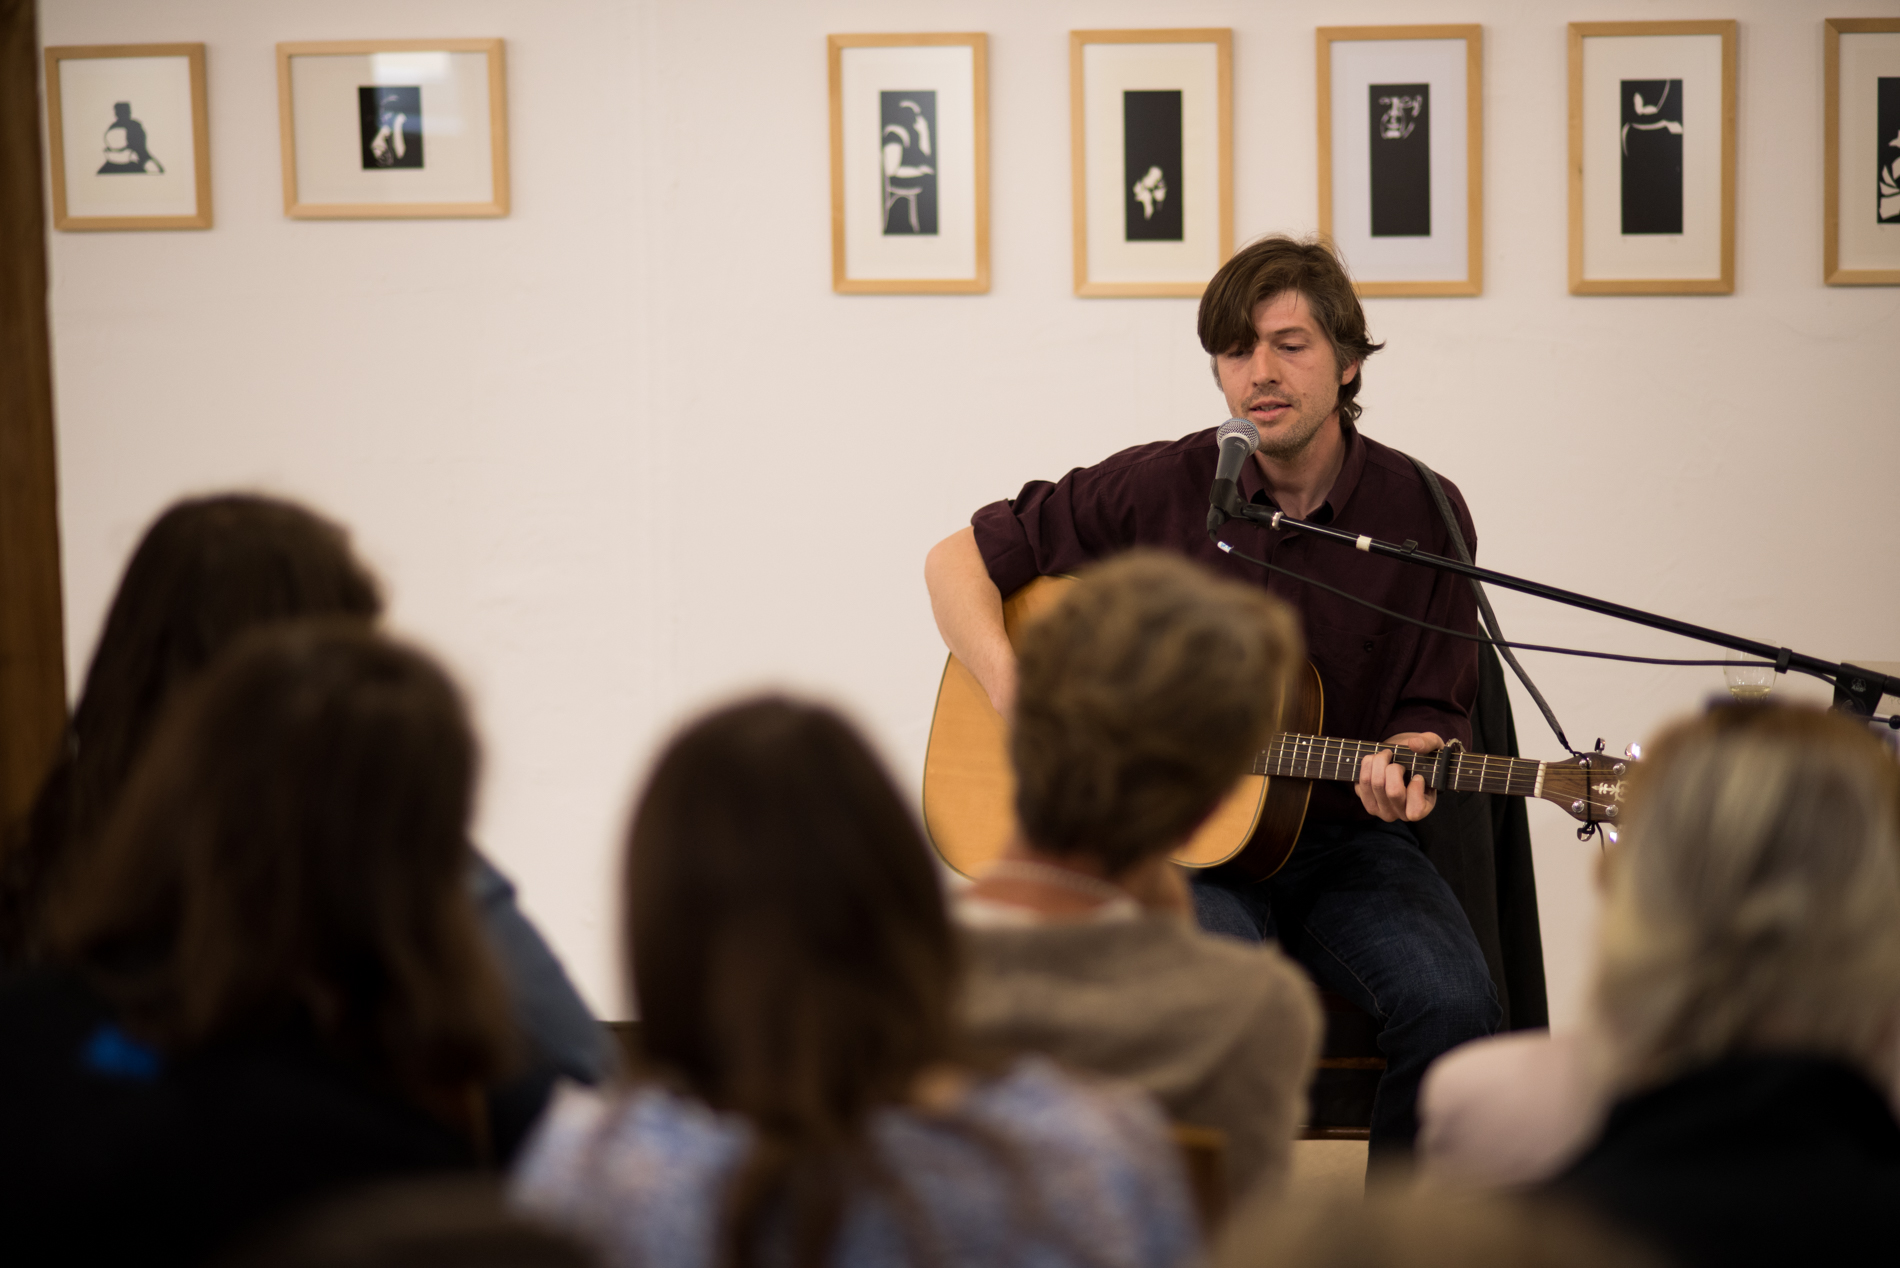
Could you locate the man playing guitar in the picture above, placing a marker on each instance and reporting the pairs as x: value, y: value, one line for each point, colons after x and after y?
x: 1358, y: 903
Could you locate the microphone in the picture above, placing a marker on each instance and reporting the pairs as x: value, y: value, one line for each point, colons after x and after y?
x: 1238, y: 439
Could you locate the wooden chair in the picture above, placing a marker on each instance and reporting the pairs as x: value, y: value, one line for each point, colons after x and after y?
x: 1339, y: 1105
x: 1204, y: 1159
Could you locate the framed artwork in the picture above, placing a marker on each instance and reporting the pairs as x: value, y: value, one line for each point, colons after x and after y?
x: 910, y: 164
x: 1151, y: 119
x: 1860, y: 240
x: 393, y: 129
x: 1652, y: 158
x: 129, y: 139
x: 1401, y: 156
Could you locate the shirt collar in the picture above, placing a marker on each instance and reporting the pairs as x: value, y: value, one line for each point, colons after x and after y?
x: 1253, y: 485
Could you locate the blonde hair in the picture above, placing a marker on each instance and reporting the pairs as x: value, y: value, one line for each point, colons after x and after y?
x: 1753, y: 901
x: 1141, y: 697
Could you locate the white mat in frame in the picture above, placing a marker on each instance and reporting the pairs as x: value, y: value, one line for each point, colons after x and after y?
x: 1700, y: 259
x: 102, y: 98
x: 865, y: 258
x: 463, y: 102
x: 1450, y: 259
x: 1861, y: 190
x: 1103, y: 65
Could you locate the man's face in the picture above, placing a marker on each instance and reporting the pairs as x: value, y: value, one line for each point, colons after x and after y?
x: 1288, y: 386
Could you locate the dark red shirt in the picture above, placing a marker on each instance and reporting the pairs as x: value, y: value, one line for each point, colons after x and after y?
x: 1380, y: 676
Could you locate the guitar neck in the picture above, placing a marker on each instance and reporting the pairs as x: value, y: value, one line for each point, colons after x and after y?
x: 1328, y: 757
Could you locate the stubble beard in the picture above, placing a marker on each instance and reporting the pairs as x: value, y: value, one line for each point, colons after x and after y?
x: 1290, y: 442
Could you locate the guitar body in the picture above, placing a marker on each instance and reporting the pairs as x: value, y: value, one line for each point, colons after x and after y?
x: 970, y: 788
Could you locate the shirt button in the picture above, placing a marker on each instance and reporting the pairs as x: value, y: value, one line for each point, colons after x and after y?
x: 1368, y: 644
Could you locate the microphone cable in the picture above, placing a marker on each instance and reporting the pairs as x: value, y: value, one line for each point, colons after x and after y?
x: 1495, y: 642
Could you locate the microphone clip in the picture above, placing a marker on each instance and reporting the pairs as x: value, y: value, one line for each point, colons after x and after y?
x: 1223, y: 504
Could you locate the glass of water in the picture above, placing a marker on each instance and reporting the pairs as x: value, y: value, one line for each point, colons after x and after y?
x: 1749, y: 678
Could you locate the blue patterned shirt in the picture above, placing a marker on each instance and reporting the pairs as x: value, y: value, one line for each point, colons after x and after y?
x: 1093, y: 1178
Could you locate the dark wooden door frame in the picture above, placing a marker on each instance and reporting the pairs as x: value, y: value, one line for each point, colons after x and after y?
x: 32, y: 651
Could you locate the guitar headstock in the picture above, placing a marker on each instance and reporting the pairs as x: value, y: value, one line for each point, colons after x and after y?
x: 1588, y: 786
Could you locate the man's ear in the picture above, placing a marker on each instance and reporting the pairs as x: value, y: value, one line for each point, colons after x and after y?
x: 1348, y: 374
x: 1213, y: 365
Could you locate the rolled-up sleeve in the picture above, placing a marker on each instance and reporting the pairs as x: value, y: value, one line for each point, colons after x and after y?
x: 1049, y: 529
x: 1005, y: 545
x: 1046, y: 530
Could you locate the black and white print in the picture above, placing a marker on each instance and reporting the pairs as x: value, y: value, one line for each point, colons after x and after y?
x: 391, y: 124
x: 1651, y: 140
x: 125, y: 145
x: 1151, y: 166
x: 908, y: 143
x: 1887, y: 135
x: 1401, y: 118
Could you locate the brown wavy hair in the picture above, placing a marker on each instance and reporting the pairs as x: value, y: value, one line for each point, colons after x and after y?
x: 207, y: 570
x: 792, y: 957
x: 293, y: 851
x: 1269, y: 267
x: 1140, y: 699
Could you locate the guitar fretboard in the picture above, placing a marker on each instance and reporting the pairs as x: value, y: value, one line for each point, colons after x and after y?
x: 1327, y: 757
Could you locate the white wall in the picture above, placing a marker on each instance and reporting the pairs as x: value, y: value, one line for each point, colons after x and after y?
x: 624, y: 451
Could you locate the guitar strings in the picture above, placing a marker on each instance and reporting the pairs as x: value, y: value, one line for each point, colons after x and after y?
x: 1337, y: 753
x: 1494, y: 642
x: 1336, y: 758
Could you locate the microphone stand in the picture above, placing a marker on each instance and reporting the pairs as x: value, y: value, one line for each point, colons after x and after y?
x: 1856, y: 690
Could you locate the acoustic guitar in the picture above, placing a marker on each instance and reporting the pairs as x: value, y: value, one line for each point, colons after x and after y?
x: 970, y: 790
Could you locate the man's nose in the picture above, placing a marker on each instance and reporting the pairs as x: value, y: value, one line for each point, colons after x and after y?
x: 1264, y: 367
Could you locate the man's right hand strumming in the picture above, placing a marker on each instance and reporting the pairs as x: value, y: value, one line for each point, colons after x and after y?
x: 969, y: 612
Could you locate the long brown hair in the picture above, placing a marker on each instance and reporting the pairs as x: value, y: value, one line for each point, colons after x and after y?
x: 206, y: 571
x: 293, y: 850
x: 791, y: 953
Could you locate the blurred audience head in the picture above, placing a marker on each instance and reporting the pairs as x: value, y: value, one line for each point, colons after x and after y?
x: 1141, y: 698
x: 789, y: 947
x: 438, y: 1222
x: 1753, y: 900
x: 1424, y: 1229
x: 207, y: 571
x: 293, y: 850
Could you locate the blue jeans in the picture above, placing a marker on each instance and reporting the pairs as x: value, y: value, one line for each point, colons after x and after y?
x: 1365, y: 911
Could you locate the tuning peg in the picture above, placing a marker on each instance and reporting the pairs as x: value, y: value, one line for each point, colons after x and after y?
x: 1634, y: 752
x: 1599, y: 744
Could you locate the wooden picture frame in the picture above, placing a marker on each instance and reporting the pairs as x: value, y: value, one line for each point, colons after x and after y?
x: 1429, y: 245
x: 925, y: 98
x: 181, y: 199
x: 1201, y: 82
x: 1858, y: 253
x: 328, y: 173
x: 1698, y: 258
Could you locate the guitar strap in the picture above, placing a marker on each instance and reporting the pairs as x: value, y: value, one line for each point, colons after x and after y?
x: 1484, y: 601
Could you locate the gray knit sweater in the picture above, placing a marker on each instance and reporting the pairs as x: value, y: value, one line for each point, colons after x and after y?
x: 1224, y: 1034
